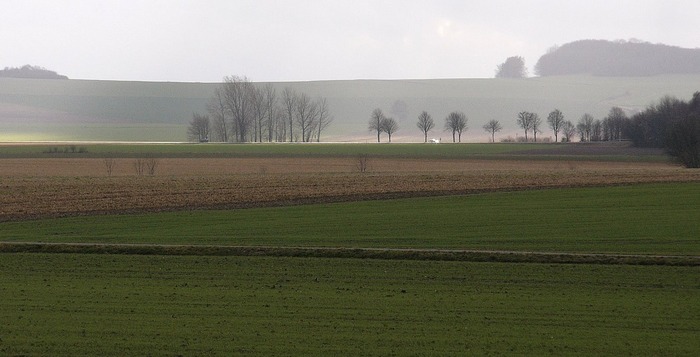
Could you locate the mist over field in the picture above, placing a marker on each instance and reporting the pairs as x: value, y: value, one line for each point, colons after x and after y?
x: 86, y: 110
x: 577, y: 78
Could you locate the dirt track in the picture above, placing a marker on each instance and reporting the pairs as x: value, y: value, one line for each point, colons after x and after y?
x: 35, y: 188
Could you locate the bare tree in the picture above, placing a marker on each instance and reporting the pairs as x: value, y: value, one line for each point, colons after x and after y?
x: 456, y: 122
x: 525, y: 122
x: 536, y: 122
x: 238, y: 95
x: 375, y: 122
x: 555, y: 119
x: 217, y: 110
x: 258, y: 112
x: 568, y: 129
x: 585, y: 127
x: 280, y: 125
x: 597, y: 131
x: 289, y: 102
x: 271, y: 109
x: 323, y: 115
x: 305, y: 116
x: 389, y: 126
x: 425, y: 124
x: 613, y: 124
x: 493, y: 127
x: 198, y: 130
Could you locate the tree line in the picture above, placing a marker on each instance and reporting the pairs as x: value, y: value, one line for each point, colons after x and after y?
x: 671, y: 124
x: 587, y: 128
x: 455, y: 122
x: 240, y: 111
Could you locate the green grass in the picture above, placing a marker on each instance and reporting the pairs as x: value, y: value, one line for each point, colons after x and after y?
x: 66, y: 305
x: 642, y: 219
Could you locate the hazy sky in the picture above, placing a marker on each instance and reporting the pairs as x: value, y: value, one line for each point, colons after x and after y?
x: 205, y: 40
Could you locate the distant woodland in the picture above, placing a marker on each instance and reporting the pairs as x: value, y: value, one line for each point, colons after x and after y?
x: 29, y: 71
x: 618, y: 58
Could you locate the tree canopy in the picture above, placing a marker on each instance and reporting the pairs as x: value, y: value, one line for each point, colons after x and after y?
x: 672, y: 124
x: 29, y: 71
x: 617, y: 58
x: 513, y: 67
x: 456, y: 122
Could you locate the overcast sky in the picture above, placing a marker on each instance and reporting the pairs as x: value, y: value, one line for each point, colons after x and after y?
x: 205, y: 40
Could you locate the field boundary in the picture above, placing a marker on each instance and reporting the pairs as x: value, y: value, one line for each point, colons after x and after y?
x: 595, y: 151
x: 352, y: 253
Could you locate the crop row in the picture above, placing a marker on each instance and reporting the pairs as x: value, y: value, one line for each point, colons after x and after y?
x: 63, y: 304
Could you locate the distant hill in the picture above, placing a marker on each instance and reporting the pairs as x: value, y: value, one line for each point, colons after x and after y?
x: 618, y: 58
x: 29, y: 71
x: 48, y: 110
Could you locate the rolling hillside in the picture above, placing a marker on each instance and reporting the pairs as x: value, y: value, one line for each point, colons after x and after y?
x: 52, y: 110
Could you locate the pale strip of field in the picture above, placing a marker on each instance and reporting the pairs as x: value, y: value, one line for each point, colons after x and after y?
x: 233, y: 166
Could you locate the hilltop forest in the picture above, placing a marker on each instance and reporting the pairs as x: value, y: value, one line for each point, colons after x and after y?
x: 617, y: 58
x: 29, y: 71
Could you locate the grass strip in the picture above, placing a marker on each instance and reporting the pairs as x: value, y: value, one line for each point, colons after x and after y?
x: 354, y: 253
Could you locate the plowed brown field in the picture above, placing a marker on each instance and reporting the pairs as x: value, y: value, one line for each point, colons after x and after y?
x: 35, y: 188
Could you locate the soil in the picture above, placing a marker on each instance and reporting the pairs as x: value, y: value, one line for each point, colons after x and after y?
x: 41, y: 188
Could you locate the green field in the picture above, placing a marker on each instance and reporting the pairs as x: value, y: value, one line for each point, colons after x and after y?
x: 137, y: 301
x: 641, y: 219
x: 70, y: 110
x: 115, y: 305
